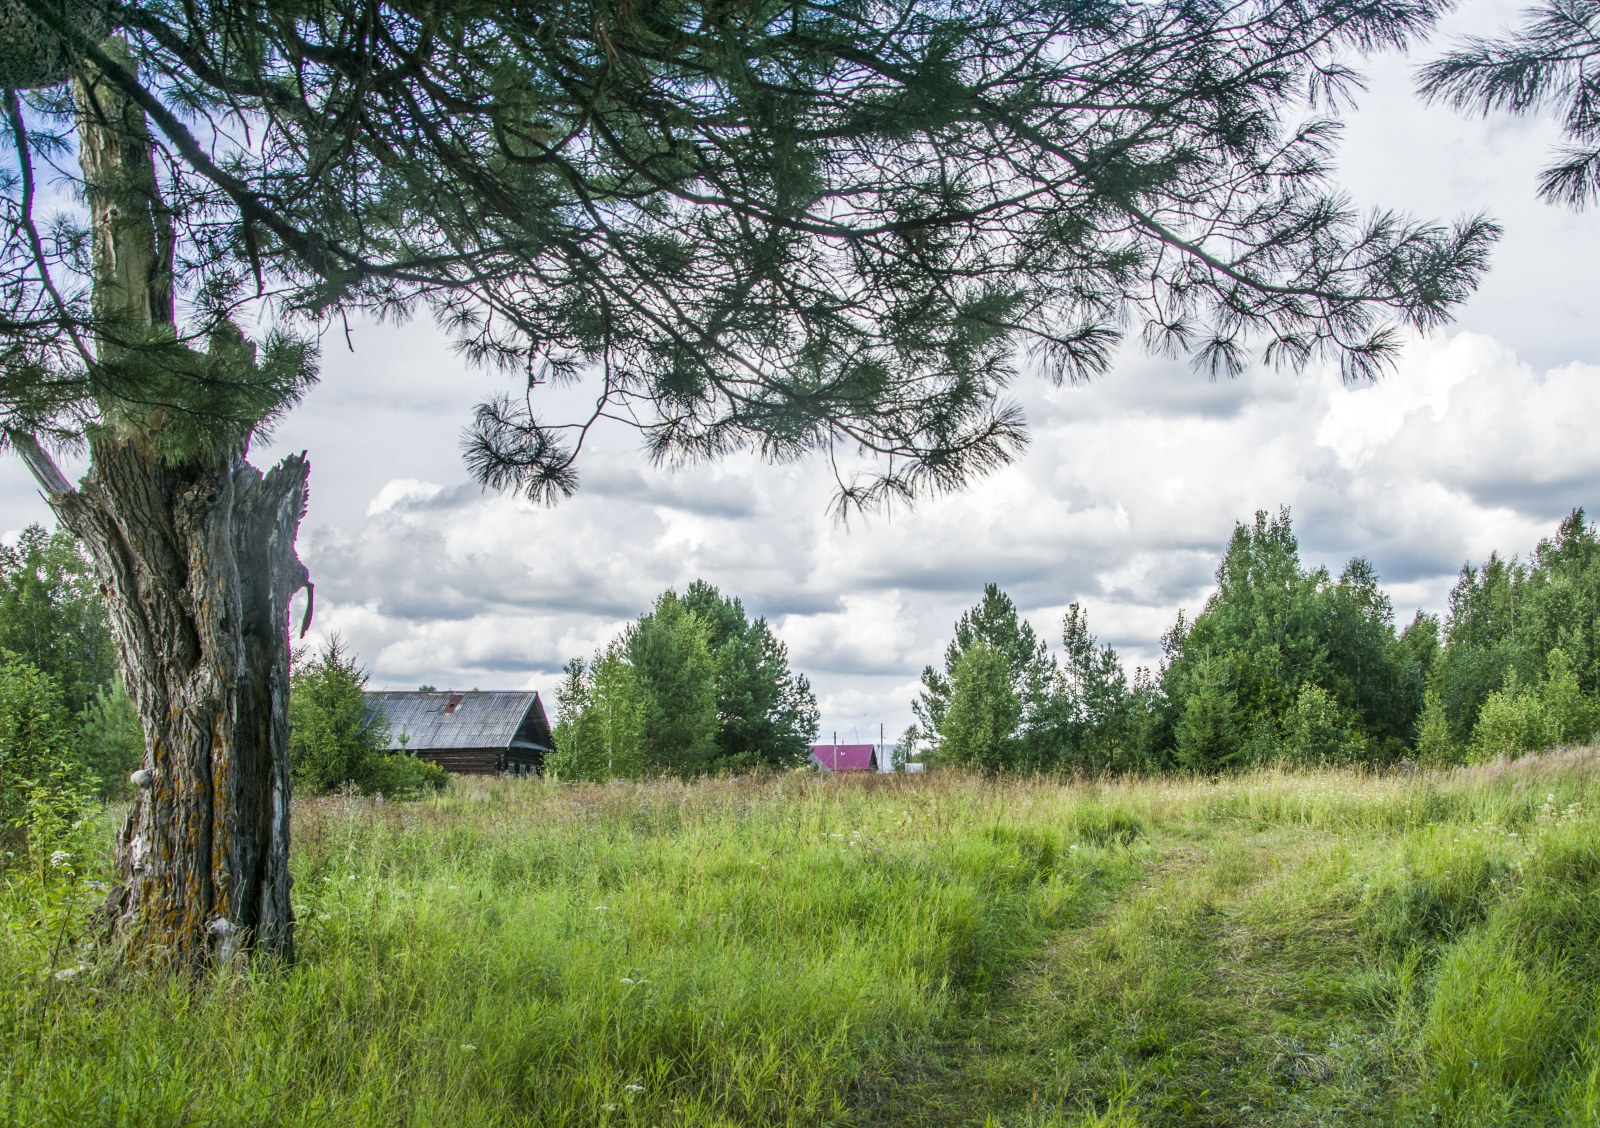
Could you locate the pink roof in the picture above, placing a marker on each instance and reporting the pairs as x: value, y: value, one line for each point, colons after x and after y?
x: 846, y: 757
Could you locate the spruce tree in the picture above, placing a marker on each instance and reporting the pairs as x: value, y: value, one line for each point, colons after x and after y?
x: 993, y: 622
x: 782, y: 226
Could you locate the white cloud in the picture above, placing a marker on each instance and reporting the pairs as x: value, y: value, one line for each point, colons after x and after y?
x: 401, y: 493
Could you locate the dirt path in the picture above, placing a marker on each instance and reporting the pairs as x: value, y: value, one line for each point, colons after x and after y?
x: 1216, y: 992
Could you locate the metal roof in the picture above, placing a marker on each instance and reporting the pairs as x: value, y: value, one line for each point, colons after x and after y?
x: 479, y: 719
x: 845, y: 757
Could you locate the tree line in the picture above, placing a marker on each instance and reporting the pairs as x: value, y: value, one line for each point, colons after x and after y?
x: 1285, y: 664
x: 692, y: 686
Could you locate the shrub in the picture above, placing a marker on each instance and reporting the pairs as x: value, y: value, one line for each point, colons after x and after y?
x: 1319, y: 731
x: 41, y: 787
x: 1512, y: 721
x: 112, y: 741
x: 1516, y: 720
x: 1572, y: 714
x: 335, y: 741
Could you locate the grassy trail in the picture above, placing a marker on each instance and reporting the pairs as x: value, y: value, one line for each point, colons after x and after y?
x: 1244, y: 981
x: 1196, y: 998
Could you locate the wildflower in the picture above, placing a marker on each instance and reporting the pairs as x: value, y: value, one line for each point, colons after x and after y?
x: 60, y: 858
x: 634, y: 1087
x: 67, y: 972
x: 468, y: 1046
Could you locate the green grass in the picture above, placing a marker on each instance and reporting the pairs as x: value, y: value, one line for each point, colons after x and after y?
x: 1318, y: 949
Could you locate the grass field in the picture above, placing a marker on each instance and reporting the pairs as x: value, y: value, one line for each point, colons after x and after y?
x: 1317, y: 949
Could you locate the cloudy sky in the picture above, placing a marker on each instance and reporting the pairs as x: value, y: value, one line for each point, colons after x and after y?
x: 1481, y: 439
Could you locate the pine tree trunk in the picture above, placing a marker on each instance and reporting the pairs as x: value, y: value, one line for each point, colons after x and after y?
x: 198, y: 567
x: 197, y: 561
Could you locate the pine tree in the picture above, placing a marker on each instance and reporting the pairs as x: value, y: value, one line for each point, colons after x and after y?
x: 1548, y: 63
x: 784, y: 226
x: 1089, y: 721
x: 111, y: 740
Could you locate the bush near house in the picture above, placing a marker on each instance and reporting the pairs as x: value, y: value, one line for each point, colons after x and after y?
x: 335, y: 741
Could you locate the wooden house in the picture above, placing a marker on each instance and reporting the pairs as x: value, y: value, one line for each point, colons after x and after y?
x: 481, y: 732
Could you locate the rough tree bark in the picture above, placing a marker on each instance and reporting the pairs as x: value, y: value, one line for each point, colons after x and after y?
x: 197, y: 561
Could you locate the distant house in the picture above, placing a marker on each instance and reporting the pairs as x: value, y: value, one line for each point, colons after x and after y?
x: 844, y: 757
x: 480, y: 732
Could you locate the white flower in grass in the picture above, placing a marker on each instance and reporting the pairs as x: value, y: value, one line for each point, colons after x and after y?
x: 60, y: 858
x: 633, y: 1087
x: 68, y: 972
x: 468, y: 1046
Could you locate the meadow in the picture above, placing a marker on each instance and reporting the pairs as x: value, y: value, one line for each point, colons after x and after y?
x: 1323, y: 948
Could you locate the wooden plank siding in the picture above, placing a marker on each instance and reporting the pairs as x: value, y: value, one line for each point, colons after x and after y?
x: 468, y: 761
